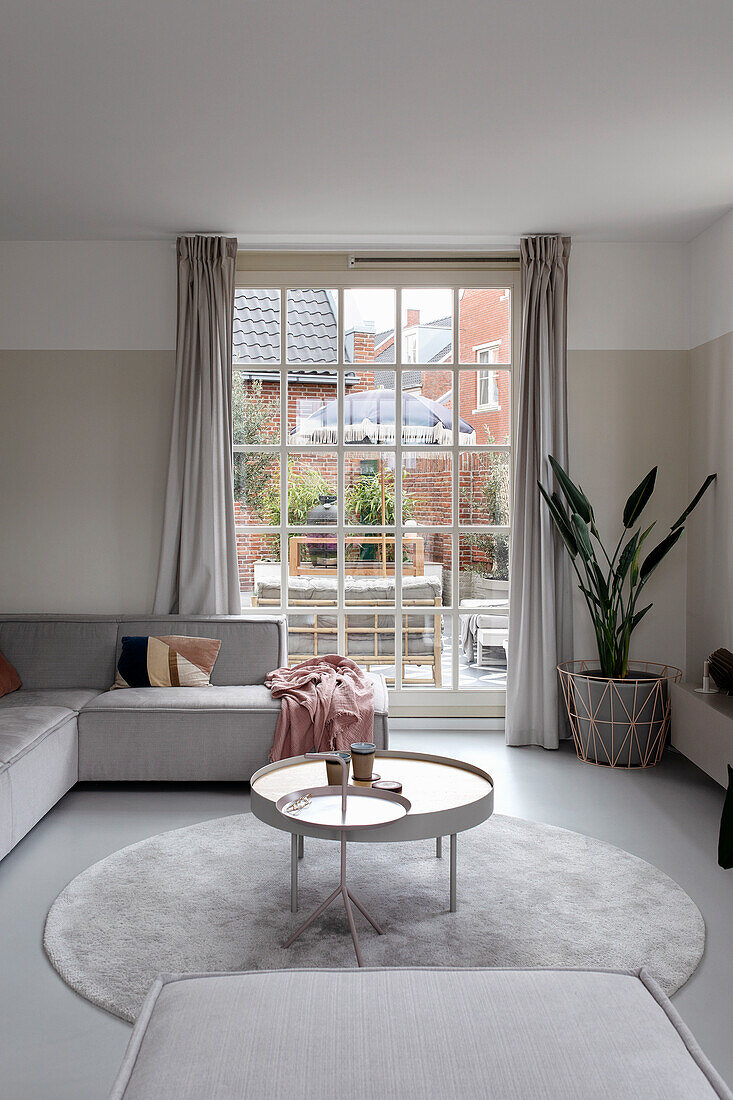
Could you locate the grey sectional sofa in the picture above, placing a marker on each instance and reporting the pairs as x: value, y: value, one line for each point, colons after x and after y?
x: 65, y: 725
x: 408, y: 1034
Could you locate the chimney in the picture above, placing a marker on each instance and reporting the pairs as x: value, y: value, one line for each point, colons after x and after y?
x: 413, y: 318
x: 363, y: 351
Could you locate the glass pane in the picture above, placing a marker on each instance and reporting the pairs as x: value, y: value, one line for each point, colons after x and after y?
x: 255, y: 407
x: 311, y: 635
x: 369, y: 323
x: 484, y: 569
x: 484, y: 489
x: 425, y: 658
x: 485, y: 403
x: 427, y: 488
x: 313, y: 560
x: 370, y: 642
x: 312, y: 329
x: 312, y: 398
x: 434, y: 552
x: 369, y: 407
x: 484, y: 325
x: 259, y: 569
x: 368, y: 583
x: 312, y: 481
x: 428, y: 421
x: 482, y: 650
x: 427, y: 325
x: 256, y: 488
x: 256, y: 329
x: 370, y: 487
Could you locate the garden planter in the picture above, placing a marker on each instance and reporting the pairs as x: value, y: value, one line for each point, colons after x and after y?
x: 619, y: 723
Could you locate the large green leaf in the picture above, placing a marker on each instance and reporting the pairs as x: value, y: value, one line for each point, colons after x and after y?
x: 695, y: 500
x: 660, y: 551
x: 639, y: 499
x: 624, y: 562
x: 583, y: 536
x: 561, y: 520
x: 575, y: 497
x: 639, y: 616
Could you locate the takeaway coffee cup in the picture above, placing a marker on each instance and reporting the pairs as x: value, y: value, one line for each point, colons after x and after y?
x: 362, y: 759
x: 334, y: 770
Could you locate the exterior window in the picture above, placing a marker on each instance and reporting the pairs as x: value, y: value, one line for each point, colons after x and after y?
x: 380, y: 528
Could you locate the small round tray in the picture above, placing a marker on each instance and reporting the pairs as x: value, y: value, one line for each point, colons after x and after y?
x: 365, y: 807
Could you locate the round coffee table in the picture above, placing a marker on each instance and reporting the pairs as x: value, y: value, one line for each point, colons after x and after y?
x: 447, y: 796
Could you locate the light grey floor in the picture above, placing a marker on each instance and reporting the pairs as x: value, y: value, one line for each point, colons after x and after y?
x: 54, y: 1045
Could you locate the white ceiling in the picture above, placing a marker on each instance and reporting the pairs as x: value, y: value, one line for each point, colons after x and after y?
x: 357, y: 122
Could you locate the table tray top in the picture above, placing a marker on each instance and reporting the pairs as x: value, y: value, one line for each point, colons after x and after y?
x: 433, y: 784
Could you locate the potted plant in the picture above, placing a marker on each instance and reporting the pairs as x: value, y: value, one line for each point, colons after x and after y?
x: 618, y: 708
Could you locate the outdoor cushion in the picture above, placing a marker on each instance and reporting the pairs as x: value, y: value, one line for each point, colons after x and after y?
x: 409, y: 1034
x: 357, y: 589
x: 70, y: 698
x: 22, y: 728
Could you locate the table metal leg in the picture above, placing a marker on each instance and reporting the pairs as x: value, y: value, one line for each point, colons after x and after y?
x: 294, y: 873
x: 453, y: 852
x: 438, y: 847
x: 301, y: 846
x: 346, y: 895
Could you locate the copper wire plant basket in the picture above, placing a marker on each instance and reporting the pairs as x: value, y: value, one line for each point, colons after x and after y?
x: 618, y: 723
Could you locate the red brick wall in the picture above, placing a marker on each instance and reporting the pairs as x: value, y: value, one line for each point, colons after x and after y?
x: 485, y: 318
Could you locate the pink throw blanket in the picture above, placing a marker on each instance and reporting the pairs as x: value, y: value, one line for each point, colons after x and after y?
x: 327, y: 704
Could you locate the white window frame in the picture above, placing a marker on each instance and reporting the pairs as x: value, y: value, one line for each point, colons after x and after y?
x: 482, y: 375
x: 411, y: 347
x: 331, y: 272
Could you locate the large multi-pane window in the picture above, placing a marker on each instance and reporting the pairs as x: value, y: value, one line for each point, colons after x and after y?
x: 372, y: 472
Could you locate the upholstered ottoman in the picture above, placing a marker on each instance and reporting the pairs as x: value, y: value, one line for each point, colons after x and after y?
x: 409, y: 1034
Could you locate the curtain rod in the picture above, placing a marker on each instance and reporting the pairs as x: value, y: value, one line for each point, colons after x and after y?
x: 455, y: 260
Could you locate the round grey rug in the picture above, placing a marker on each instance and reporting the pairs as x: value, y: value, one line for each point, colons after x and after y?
x: 216, y: 896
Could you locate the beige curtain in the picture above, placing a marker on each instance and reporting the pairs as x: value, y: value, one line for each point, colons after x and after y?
x: 198, y: 563
x: 540, y: 608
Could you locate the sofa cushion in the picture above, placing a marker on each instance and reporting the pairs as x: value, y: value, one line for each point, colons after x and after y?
x: 9, y: 678
x: 59, y: 653
x: 172, y: 660
x: 453, y: 1034
x: 22, y: 727
x: 250, y: 647
x: 214, y: 734
x: 248, y: 697
x: 70, y: 698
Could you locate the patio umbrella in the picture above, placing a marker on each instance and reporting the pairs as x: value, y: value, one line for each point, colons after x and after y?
x: 369, y: 417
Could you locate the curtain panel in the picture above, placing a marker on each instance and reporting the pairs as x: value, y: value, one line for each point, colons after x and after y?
x: 198, y: 572
x: 540, y: 601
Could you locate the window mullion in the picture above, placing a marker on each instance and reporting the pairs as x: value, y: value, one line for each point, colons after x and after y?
x: 340, y: 481
x: 284, y: 421
x: 455, y: 496
x: 399, y: 617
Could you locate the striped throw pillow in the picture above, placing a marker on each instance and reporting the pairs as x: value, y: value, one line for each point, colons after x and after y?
x: 169, y: 661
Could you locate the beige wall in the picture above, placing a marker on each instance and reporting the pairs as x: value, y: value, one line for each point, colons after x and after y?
x: 627, y: 413
x: 710, y: 534
x: 84, y: 439
x: 710, y: 404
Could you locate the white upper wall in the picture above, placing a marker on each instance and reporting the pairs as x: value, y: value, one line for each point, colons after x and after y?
x: 121, y: 295
x: 87, y: 295
x: 628, y: 297
x: 711, y: 282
